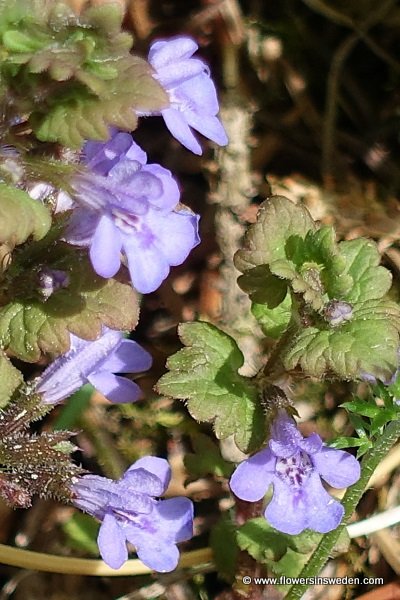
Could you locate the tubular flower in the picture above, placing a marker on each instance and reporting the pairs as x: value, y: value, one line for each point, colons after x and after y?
x: 129, y: 207
x: 129, y: 512
x: 191, y: 91
x: 295, y: 466
x: 95, y: 362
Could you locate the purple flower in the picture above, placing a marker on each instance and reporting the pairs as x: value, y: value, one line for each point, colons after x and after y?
x: 129, y: 512
x: 295, y: 465
x: 192, y: 95
x: 129, y: 206
x: 95, y: 362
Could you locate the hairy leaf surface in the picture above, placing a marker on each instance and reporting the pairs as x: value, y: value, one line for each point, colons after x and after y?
x: 31, y: 327
x: 21, y: 217
x: 205, y: 373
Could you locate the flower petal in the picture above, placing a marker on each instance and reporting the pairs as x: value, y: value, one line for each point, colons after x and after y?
x: 81, y: 227
x: 287, y: 511
x: 323, y: 512
x: 143, y: 481
x: 114, y: 388
x: 252, y: 477
x: 198, y: 95
x: 155, y: 553
x: 311, y: 444
x: 111, y: 542
x: 128, y: 357
x: 171, y: 194
x: 175, y: 518
x: 337, y: 467
x: 178, y: 127
x: 208, y: 126
x: 101, y: 156
x: 158, y: 466
x: 184, y: 225
x: 285, y: 436
x: 105, y: 248
x: 136, y: 153
x: 175, y: 74
x: 147, y: 267
x: 164, y: 52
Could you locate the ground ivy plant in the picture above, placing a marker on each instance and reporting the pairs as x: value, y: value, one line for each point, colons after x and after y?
x: 326, y: 305
x: 87, y: 224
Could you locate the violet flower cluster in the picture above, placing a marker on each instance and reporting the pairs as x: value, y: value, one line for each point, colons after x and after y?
x: 124, y: 209
x: 129, y: 511
x: 95, y: 362
x: 129, y: 206
x: 295, y: 466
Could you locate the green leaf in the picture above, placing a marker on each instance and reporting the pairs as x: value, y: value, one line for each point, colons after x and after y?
x: 18, y: 41
x: 284, y: 244
x: 367, y: 343
x: 206, y: 459
x: 299, y: 549
x: 273, y: 321
x: 82, y: 116
x: 290, y: 564
x: 280, y: 228
x: 261, y: 541
x: 265, y: 241
x: 102, y: 83
x: 346, y: 328
x: 82, y: 532
x: 21, y: 216
x: 283, y: 554
x: 10, y: 379
x: 362, y: 407
x: 205, y: 373
x: 107, y: 18
x: 225, y: 548
x: 360, y: 425
x: 370, y: 281
x: 29, y: 328
x: 349, y: 442
x: 263, y: 287
x: 384, y: 416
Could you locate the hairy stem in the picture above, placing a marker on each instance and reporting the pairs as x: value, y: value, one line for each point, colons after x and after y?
x: 369, y: 463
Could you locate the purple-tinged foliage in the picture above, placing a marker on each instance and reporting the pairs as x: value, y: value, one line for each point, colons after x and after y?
x: 295, y: 466
x: 129, y: 512
x: 337, y: 312
x: 51, y: 280
x: 95, y: 362
x: 129, y: 207
x: 191, y: 91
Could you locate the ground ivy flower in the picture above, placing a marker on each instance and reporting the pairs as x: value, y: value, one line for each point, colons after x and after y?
x: 95, y: 362
x: 129, y: 512
x: 192, y: 95
x: 295, y: 466
x: 129, y: 206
